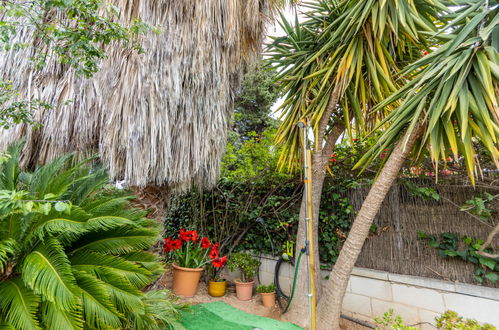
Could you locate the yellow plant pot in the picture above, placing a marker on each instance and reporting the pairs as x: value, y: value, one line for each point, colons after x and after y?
x: 217, y: 289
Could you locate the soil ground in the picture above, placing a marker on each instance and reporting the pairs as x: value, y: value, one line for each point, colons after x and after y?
x: 253, y: 306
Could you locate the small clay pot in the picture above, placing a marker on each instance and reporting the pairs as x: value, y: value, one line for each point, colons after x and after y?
x: 186, y: 280
x: 217, y: 289
x: 268, y: 298
x: 244, y: 290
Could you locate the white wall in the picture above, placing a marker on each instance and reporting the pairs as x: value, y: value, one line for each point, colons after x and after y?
x: 371, y: 293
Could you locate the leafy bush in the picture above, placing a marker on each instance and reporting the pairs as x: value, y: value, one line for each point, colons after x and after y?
x: 452, y: 321
x: 77, y: 260
x: 391, y: 321
x: 245, y: 263
x: 265, y: 288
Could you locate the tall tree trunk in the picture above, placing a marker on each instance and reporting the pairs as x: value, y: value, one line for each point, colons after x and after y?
x: 298, y: 312
x: 329, y: 308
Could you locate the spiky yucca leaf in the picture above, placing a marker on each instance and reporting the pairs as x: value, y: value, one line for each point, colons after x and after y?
x: 344, y: 59
x: 453, y: 92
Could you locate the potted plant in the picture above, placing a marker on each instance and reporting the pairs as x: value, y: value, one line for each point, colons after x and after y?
x: 267, y: 292
x: 217, y: 286
x: 189, y: 254
x: 248, y: 267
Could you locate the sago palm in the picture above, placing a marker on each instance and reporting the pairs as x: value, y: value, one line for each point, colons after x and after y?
x: 449, y: 104
x: 77, y: 267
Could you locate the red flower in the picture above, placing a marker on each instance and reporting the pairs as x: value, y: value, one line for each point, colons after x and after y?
x: 214, y: 253
x: 176, y: 244
x: 194, y: 235
x: 425, y: 53
x: 185, y: 235
x: 219, y: 262
x: 205, y: 243
x: 168, y: 245
x: 189, y: 235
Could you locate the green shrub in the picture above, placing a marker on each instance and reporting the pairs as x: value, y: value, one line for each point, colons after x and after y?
x: 450, y: 320
x: 391, y: 321
x: 73, y: 253
x: 245, y: 263
x: 265, y: 288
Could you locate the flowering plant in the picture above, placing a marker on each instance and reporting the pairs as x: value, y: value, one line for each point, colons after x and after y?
x: 190, y: 251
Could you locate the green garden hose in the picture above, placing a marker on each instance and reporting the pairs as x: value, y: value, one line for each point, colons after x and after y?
x: 297, y: 265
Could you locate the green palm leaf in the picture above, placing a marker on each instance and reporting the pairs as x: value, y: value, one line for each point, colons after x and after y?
x: 47, y: 271
x: 8, y: 249
x: 119, y: 241
x: 98, y: 308
x: 56, y: 318
x: 18, y: 305
x: 121, y: 270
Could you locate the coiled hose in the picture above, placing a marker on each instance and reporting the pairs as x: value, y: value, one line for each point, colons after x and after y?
x: 276, y: 278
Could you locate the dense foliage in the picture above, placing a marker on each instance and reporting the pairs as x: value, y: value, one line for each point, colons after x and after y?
x: 73, y: 252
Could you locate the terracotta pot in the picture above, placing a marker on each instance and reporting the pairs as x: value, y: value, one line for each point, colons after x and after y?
x: 186, y: 280
x: 244, y: 290
x: 217, y: 289
x: 268, y: 299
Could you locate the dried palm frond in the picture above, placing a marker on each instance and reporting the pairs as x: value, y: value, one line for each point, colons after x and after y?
x: 159, y: 117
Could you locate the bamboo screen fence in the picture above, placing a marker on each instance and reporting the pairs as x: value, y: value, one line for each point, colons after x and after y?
x: 396, y: 247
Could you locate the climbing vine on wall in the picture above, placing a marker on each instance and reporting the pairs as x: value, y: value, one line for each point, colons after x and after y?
x: 450, y: 245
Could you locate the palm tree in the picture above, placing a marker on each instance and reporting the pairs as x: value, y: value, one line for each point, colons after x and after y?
x: 155, y: 118
x: 334, y: 68
x: 82, y: 267
x: 448, y: 105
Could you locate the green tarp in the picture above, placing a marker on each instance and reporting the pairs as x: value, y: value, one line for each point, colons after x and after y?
x: 220, y: 316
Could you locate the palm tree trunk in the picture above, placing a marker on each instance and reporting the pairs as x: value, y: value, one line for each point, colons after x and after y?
x: 329, y: 308
x: 298, y: 312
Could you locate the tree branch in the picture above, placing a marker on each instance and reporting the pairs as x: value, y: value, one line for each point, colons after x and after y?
x: 488, y: 243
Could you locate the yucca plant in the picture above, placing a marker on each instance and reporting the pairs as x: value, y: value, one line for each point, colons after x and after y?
x: 334, y: 67
x: 449, y: 104
x: 73, y: 253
